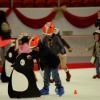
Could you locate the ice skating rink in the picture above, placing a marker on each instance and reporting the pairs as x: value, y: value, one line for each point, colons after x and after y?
x: 87, y: 88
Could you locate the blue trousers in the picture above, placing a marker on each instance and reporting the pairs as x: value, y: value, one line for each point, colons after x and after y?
x: 55, y: 75
x: 97, y: 65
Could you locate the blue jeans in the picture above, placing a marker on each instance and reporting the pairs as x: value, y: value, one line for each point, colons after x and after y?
x: 97, y: 65
x: 55, y: 75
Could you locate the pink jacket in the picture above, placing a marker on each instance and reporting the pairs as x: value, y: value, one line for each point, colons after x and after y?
x: 24, y: 48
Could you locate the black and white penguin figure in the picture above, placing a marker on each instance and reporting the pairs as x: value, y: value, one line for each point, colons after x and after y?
x: 9, y: 60
x: 22, y: 82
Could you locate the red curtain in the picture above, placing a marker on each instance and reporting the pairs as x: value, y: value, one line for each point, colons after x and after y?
x: 34, y: 23
x: 8, y: 12
x: 80, y: 22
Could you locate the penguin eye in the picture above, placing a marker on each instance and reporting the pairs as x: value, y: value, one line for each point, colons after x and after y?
x: 22, y: 62
x: 10, y: 55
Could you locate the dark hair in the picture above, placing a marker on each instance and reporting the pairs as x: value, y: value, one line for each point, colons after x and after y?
x: 25, y: 39
x: 97, y: 34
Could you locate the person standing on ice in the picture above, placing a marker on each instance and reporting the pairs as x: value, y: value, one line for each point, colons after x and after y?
x: 56, y: 44
x: 64, y: 58
x: 52, y: 64
x: 96, y: 52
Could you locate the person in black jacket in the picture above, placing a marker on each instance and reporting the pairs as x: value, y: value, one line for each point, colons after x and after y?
x: 41, y: 51
x: 5, y: 35
x: 97, y: 22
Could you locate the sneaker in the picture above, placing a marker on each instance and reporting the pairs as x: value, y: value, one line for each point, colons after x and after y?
x: 59, y: 91
x: 45, y: 90
x: 96, y: 76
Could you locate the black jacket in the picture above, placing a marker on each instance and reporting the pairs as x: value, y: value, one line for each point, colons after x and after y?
x: 49, y: 59
x: 97, y: 23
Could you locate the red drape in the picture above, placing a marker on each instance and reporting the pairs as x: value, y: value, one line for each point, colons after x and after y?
x: 80, y: 22
x: 8, y: 12
x: 34, y: 23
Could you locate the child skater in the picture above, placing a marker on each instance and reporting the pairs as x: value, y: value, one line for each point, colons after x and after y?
x: 23, y: 40
x: 23, y: 46
x: 64, y: 58
x: 52, y: 61
x: 55, y: 44
x: 96, y: 52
